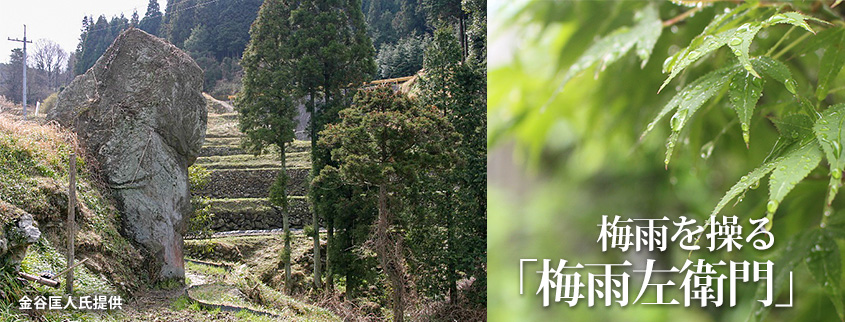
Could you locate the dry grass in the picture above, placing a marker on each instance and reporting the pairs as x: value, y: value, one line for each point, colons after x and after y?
x: 223, y: 125
x: 48, y: 142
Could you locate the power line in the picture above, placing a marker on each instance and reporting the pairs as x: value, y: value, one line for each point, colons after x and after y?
x: 24, y: 41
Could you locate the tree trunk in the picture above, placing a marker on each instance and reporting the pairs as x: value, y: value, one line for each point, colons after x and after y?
x: 286, y: 224
x: 463, y: 35
x: 450, y: 262
x: 390, y: 255
x: 314, y: 217
x: 329, y: 254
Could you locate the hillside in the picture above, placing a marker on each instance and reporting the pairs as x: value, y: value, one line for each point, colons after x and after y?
x: 227, y: 285
x: 239, y: 181
x: 34, y: 179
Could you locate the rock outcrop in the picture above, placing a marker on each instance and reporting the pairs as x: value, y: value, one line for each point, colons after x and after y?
x: 140, y: 112
x: 17, y: 232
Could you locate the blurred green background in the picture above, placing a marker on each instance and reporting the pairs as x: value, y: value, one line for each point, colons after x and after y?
x: 553, y: 173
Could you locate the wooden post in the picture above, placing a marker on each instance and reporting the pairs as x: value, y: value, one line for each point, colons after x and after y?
x: 71, y: 223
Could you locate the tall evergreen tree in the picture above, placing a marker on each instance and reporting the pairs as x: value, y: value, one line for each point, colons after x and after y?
x: 135, y: 19
x: 458, y: 88
x: 151, y: 22
x: 389, y: 142
x: 13, y: 77
x: 95, y: 39
x: 267, y: 110
x: 331, y: 50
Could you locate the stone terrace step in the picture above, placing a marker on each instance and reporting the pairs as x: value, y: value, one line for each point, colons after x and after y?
x: 252, y: 183
x: 257, y: 213
x: 230, y: 145
x: 249, y: 161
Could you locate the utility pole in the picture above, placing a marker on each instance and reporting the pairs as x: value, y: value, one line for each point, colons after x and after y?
x: 24, y: 41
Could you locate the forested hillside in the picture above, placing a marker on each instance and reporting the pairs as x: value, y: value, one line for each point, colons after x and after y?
x: 215, y: 33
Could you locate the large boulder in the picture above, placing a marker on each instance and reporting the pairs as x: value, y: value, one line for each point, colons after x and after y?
x: 140, y: 112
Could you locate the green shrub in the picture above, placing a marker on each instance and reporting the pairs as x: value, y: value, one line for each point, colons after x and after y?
x: 199, y: 224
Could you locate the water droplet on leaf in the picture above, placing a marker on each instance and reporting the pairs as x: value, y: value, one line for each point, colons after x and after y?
x: 772, y: 206
x: 707, y: 150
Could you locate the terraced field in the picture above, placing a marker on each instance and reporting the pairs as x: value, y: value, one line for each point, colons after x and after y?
x: 240, y: 181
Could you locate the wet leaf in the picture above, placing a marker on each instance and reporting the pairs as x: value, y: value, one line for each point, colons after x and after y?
x: 720, y: 21
x: 738, y: 39
x: 828, y: 131
x: 825, y: 264
x: 744, y: 92
x: 777, y: 71
x: 643, y: 34
x: 791, y: 169
x: 794, y: 126
x: 752, y: 179
x: 681, y: 60
x: 791, y: 161
x: 792, y: 255
x: 740, y: 42
x: 831, y: 64
x: 690, y: 99
x: 692, y: 96
x: 792, y: 18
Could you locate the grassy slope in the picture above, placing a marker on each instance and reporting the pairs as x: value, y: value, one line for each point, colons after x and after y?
x: 34, y: 178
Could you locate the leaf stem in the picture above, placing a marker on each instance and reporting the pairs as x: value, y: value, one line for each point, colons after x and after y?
x: 792, y: 44
x: 777, y: 44
x: 681, y: 17
x: 836, y: 90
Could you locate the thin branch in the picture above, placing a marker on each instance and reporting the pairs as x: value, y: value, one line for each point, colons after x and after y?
x: 681, y: 17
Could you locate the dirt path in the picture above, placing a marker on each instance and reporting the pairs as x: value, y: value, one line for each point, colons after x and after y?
x: 157, y: 306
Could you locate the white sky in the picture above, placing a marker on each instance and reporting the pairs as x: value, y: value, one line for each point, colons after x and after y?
x: 57, y: 20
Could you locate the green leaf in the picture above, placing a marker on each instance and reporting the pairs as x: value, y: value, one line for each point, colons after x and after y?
x: 752, y: 179
x: 790, y: 166
x: 741, y: 40
x: 689, y: 100
x: 825, y: 264
x: 643, y: 34
x: 688, y: 96
x: 791, y: 169
x: 819, y: 41
x: 650, y: 29
x: 792, y: 255
x: 828, y: 131
x: 738, y: 39
x: 777, y: 71
x: 719, y: 21
x: 794, y: 126
x: 744, y: 92
x: 681, y: 60
x: 792, y: 18
x: 831, y: 65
